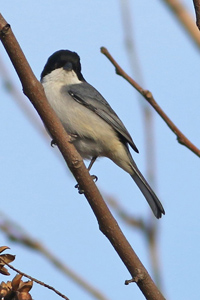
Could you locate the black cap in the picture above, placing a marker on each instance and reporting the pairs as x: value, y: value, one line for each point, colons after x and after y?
x: 59, y: 59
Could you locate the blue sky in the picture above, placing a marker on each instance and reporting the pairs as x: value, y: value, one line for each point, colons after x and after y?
x: 37, y: 190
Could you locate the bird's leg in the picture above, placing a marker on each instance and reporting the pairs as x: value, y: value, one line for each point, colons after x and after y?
x: 94, y: 177
x: 92, y: 162
x: 72, y: 138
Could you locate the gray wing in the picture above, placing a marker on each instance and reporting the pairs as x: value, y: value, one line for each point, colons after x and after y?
x: 87, y: 95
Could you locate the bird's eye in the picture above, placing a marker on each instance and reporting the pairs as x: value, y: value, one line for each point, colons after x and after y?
x: 56, y: 65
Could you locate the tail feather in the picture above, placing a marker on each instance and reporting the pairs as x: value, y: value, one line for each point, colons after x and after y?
x: 148, y: 193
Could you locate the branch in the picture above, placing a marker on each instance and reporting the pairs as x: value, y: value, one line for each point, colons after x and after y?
x: 182, y: 139
x: 107, y: 224
x: 11, y: 88
x: 149, y: 132
x: 185, y: 19
x: 197, y: 11
x: 16, y: 234
x: 148, y: 229
x: 34, y: 279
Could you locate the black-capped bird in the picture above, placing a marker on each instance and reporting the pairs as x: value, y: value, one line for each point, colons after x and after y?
x: 94, y: 127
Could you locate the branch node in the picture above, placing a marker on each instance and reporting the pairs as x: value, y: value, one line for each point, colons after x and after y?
x: 117, y: 72
x: 136, y: 278
x: 180, y: 140
x: 77, y: 163
x: 147, y: 94
x: 103, y: 50
x: 5, y: 30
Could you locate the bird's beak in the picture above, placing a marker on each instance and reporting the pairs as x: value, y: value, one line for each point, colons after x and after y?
x: 68, y: 66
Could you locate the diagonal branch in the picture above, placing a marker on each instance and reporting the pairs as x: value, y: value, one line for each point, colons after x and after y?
x: 185, y: 18
x: 34, y: 279
x: 148, y: 129
x: 107, y: 224
x: 17, y: 234
x: 11, y: 88
x: 182, y: 139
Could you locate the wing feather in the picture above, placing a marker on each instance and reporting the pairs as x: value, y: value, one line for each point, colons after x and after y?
x: 87, y: 95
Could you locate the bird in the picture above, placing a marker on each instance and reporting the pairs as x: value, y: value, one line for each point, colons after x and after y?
x: 93, y: 126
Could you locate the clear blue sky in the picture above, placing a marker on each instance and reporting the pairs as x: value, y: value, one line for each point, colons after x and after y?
x: 37, y: 189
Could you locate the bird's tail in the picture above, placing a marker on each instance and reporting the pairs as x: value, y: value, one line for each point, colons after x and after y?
x: 148, y: 193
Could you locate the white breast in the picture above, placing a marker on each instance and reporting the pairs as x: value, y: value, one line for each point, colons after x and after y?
x: 95, y: 136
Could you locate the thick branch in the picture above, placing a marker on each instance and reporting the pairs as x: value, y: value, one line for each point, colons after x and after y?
x: 182, y: 139
x: 34, y: 91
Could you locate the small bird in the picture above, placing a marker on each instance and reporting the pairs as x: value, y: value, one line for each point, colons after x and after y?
x: 94, y: 127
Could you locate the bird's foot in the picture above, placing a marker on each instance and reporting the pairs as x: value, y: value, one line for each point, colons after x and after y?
x: 79, y: 189
x: 72, y: 137
x: 94, y: 177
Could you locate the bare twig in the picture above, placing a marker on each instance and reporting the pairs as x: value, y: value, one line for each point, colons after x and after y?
x: 15, y: 233
x: 20, y: 99
x: 107, y: 224
x: 182, y: 139
x: 147, y: 229
x: 149, y: 132
x: 130, y: 220
x: 197, y: 11
x: 131, y: 49
x: 34, y: 279
x: 185, y: 19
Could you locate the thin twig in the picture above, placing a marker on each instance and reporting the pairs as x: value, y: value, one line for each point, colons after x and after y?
x: 185, y: 18
x: 149, y: 132
x: 34, y: 279
x: 17, y: 234
x: 132, y: 221
x: 11, y: 88
x: 148, y: 229
x: 182, y: 139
